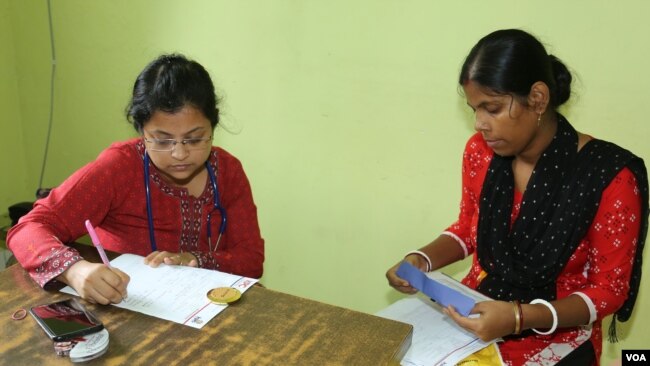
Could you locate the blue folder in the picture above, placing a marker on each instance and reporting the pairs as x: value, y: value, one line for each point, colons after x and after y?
x: 438, y: 292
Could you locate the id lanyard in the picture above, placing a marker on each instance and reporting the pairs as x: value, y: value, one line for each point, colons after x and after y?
x: 216, y: 206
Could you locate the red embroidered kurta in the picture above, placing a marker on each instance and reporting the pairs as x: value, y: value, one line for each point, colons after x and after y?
x: 110, y: 193
x: 598, y: 271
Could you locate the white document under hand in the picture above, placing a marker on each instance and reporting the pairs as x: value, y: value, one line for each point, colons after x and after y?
x: 176, y: 293
x: 437, y: 339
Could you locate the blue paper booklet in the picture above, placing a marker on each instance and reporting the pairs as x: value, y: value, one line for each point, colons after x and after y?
x: 440, y: 288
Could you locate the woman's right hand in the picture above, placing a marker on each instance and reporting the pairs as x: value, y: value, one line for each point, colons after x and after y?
x: 399, y: 283
x: 95, y: 282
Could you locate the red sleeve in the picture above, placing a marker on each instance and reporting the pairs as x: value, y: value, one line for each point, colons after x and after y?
x: 37, y: 241
x: 612, y: 241
x: 476, y: 159
x: 241, y: 249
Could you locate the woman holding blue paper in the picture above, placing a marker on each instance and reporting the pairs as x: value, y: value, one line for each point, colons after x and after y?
x: 555, y: 220
x: 168, y: 195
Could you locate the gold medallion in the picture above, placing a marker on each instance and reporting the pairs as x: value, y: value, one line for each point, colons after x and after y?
x: 224, y: 295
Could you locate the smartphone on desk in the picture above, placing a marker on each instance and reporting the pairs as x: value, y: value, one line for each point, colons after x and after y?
x: 66, y: 319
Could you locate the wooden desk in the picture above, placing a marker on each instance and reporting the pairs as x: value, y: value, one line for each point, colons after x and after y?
x: 264, y: 328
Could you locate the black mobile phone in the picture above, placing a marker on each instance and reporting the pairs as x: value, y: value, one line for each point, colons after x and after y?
x: 66, y: 319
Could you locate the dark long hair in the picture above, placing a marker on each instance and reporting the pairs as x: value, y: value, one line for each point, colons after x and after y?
x: 169, y: 83
x: 510, y: 61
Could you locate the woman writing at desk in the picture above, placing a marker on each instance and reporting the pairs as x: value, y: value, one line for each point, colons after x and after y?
x: 555, y: 219
x: 168, y: 195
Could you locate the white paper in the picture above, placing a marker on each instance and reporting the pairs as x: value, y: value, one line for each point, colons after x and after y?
x: 176, y: 293
x: 437, y: 339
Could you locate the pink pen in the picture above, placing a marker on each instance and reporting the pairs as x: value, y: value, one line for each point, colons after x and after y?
x: 98, y: 245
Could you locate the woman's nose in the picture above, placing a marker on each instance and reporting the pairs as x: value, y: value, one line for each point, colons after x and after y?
x: 479, y: 123
x: 180, y: 151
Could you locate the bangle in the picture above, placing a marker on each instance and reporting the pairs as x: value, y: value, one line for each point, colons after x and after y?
x: 423, y: 255
x: 521, y: 317
x: 517, y: 308
x: 553, y: 313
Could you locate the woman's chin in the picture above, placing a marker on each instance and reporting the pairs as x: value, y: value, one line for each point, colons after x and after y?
x: 179, y: 178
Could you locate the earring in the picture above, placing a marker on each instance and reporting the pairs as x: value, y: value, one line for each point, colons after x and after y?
x: 539, y: 119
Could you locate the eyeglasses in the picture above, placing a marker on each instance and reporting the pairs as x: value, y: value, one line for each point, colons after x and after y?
x: 170, y: 144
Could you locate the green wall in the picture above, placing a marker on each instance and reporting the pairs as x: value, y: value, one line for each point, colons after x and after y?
x: 345, y: 114
x: 13, y: 183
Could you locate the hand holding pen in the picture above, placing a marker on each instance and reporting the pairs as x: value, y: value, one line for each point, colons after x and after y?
x: 97, y: 283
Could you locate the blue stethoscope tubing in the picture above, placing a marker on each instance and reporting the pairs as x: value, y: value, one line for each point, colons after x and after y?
x: 216, y: 206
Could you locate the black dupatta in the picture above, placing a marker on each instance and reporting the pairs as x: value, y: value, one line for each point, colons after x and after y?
x: 558, y: 207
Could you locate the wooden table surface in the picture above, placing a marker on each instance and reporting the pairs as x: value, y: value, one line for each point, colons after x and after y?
x: 265, y: 327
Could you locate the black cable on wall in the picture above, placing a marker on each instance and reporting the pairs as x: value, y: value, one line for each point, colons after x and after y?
x: 42, y: 192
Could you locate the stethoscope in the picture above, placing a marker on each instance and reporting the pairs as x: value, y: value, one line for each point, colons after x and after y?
x: 216, y: 206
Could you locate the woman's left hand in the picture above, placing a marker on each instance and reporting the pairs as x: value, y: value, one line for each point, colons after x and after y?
x: 180, y: 259
x: 496, y: 319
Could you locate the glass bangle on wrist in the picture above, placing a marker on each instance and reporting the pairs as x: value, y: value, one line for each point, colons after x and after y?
x: 519, y: 317
x: 553, y: 313
x: 423, y: 255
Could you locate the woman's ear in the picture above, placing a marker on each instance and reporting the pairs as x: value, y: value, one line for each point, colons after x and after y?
x: 539, y: 97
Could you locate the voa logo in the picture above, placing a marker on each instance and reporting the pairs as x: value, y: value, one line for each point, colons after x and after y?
x: 636, y: 357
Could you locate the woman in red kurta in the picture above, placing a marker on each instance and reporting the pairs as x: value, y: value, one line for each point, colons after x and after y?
x: 174, y: 109
x: 554, y: 219
x: 598, y: 271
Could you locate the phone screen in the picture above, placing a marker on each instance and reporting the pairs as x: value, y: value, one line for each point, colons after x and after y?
x: 65, y: 319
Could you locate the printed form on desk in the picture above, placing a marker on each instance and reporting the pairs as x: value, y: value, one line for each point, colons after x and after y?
x: 176, y: 293
x: 437, y: 339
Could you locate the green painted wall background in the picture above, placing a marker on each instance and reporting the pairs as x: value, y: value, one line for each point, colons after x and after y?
x: 12, y: 154
x: 345, y: 114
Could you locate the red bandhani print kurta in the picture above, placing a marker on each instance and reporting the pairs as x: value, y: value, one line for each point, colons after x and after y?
x: 598, y: 271
x: 110, y: 193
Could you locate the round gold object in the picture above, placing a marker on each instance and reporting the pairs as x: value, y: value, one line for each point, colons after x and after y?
x: 224, y: 295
